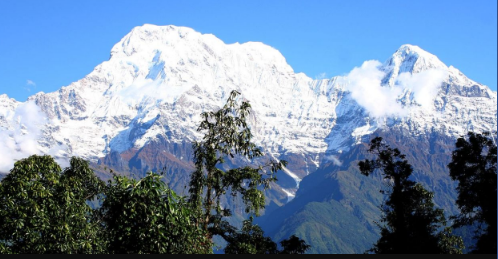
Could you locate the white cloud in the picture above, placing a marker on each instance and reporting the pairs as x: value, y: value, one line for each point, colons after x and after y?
x: 424, y: 85
x: 364, y: 83
x: 333, y: 159
x: 29, y: 82
x: 21, y: 140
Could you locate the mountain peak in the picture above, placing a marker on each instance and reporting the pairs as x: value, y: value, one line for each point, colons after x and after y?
x: 180, y: 54
x: 163, y: 29
x: 410, y: 59
x: 409, y: 48
x: 6, y: 98
x: 149, y: 34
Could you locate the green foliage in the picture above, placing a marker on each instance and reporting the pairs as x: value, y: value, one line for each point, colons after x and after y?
x: 409, y: 223
x: 293, y: 245
x: 44, y: 209
x: 473, y: 165
x: 226, y: 133
x: 145, y: 216
x: 251, y: 240
x: 4, y: 249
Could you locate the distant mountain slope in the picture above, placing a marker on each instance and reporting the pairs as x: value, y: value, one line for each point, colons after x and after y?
x: 336, y: 207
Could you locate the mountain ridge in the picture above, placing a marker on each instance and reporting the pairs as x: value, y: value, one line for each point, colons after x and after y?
x: 158, y: 80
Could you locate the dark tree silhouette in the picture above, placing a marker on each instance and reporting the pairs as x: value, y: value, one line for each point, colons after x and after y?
x: 473, y: 165
x: 251, y: 240
x: 410, y: 224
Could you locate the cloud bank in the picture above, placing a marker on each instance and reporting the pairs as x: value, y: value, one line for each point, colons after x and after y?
x: 21, y: 139
x: 424, y: 85
x: 365, y: 85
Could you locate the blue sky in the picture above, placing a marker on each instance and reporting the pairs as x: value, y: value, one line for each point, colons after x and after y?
x: 48, y: 44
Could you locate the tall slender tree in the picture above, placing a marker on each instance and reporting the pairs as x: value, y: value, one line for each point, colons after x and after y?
x: 409, y: 224
x: 227, y: 134
x: 473, y: 165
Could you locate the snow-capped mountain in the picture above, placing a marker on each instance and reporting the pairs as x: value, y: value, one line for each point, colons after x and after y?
x: 159, y: 79
x: 413, y: 91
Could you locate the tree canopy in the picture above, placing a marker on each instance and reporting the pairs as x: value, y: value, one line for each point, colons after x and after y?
x: 44, y: 209
x: 251, y: 240
x: 145, y: 216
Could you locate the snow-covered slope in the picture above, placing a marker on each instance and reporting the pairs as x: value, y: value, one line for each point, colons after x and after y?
x: 412, y: 91
x: 160, y: 78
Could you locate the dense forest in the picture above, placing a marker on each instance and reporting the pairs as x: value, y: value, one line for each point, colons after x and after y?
x: 47, y: 209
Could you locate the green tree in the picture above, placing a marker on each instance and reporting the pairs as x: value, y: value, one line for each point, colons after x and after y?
x: 44, y: 209
x: 227, y: 134
x: 473, y: 165
x: 293, y: 245
x: 251, y: 240
x: 145, y: 216
x: 409, y: 222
